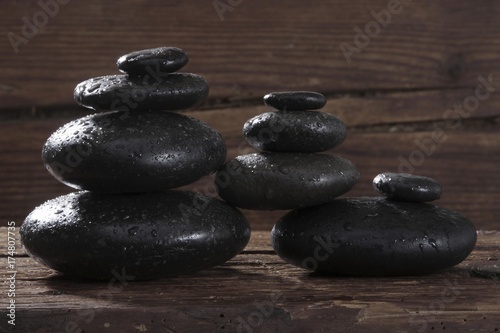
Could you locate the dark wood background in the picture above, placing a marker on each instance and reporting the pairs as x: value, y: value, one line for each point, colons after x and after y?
x: 394, y: 92
x: 392, y: 95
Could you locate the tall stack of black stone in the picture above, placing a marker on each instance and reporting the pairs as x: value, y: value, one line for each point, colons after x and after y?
x: 290, y: 173
x: 126, y: 159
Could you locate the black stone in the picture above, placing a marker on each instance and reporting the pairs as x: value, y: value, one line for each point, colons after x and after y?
x: 144, y: 236
x: 174, y: 91
x: 295, y: 100
x: 157, y: 61
x: 407, y: 187
x: 374, y: 237
x: 271, y: 181
x: 298, y: 131
x: 133, y: 152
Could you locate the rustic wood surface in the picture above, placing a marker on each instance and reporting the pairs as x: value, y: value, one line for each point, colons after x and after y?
x: 393, y: 95
x: 258, y: 292
x: 257, y: 47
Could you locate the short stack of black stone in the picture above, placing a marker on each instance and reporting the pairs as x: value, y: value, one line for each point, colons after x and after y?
x: 396, y: 235
x: 126, y: 159
x: 290, y: 173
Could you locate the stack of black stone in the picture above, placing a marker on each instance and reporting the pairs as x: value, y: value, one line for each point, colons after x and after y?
x: 126, y: 159
x: 290, y: 173
x: 398, y: 234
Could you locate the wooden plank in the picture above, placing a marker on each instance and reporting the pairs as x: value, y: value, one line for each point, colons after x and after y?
x: 258, y: 292
x: 258, y: 46
x: 466, y: 165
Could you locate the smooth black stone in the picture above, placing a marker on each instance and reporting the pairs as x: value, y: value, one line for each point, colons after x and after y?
x: 174, y: 91
x: 295, y: 100
x: 298, y: 131
x: 407, y: 187
x: 147, y: 236
x: 271, y: 181
x: 374, y: 237
x: 119, y: 152
x: 157, y: 61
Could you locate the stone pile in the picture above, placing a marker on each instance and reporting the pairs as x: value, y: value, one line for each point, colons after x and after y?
x: 126, y: 160
x: 395, y: 235
x: 290, y: 172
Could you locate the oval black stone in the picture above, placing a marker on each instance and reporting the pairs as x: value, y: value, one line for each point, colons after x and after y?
x: 298, y: 131
x: 374, y: 237
x: 174, y: 91
x: 407, y: 187
x: 271, y: 181
x: 133, y: 152
x: 145, y: 236
x: 155, y: 62
x: 295, y: 100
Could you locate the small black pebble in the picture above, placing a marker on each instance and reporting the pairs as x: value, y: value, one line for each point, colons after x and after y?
x: 154, y: 62
x: 295, y: 100
x: 407, y: 187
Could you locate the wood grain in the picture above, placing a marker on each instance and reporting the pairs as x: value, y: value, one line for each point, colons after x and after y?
x: 258, y: 292
x: 393, y: 95
x: 259, y: 46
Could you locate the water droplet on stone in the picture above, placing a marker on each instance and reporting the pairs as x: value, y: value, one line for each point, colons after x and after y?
x: 133, y: 231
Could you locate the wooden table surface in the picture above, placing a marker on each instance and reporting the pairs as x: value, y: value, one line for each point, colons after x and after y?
x: 423, y: 73
x: 258, y: 292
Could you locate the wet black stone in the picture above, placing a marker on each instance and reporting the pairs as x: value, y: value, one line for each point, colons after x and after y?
x: 133, y: 152
x: 271, y: 181
x: 174, y: 91
x: 147, y: 236
x: 157, y: 61
x: 298, y: 131
x: 295, y: 100
x: 374, y: 237
x: 407, y: 187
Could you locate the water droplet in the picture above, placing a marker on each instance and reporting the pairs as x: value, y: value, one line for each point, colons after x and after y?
x: 432, y: 242
x: 136, y: 154
x: 133, y: 231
